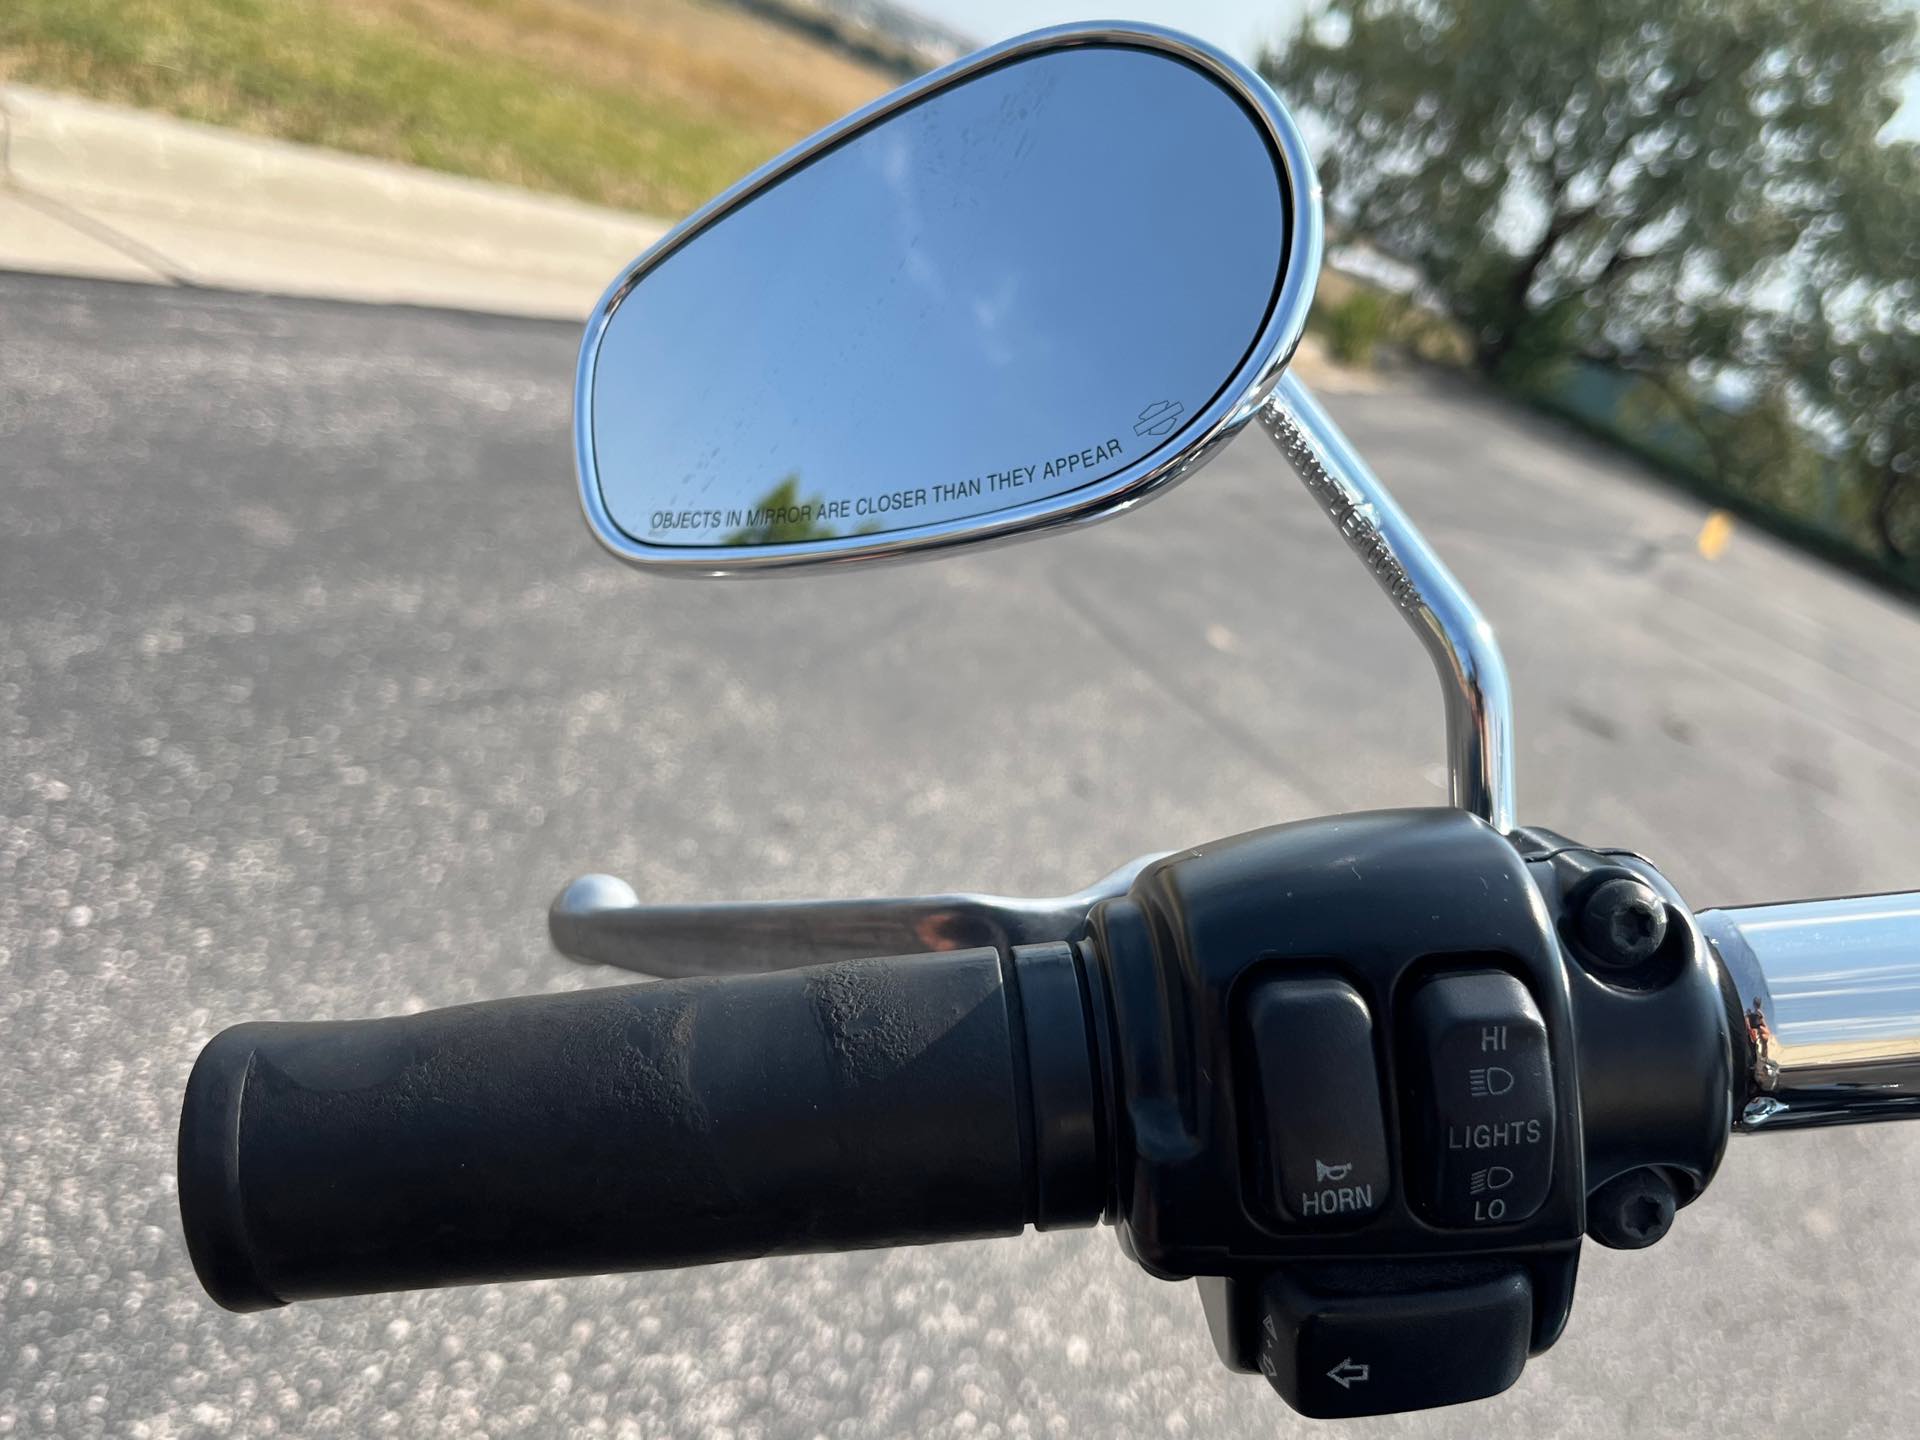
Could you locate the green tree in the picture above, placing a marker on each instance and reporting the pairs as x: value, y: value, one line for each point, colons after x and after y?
x: 1871, y: 385
x: 1852, y: 344
x: 782, y: 517
x: 1628, y: 179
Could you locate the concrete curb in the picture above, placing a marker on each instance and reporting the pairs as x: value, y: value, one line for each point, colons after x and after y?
x: 93, y: 189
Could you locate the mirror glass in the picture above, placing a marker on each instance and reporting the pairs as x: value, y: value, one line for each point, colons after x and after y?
x: 1022, y: 284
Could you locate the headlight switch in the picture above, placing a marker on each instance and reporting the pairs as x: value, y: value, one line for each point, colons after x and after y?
x: 1480, y: 1101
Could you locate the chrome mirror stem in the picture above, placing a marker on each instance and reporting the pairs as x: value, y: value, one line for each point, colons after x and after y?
x: 599, y: 920
x: 1456, y: 635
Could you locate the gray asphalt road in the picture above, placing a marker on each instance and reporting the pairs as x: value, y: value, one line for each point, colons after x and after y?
x: 313, y: 689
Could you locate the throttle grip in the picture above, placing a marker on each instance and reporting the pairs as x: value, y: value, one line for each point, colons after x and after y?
x: 863, y: 1103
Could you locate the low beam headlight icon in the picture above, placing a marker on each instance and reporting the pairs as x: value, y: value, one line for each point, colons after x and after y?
x: 1494, y: 1177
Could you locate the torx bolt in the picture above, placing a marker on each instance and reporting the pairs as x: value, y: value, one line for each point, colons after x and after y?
x: 1624, y: 922
x: 1632, y: 1211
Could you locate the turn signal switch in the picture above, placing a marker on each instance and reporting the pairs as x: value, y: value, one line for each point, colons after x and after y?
x: 1335, y: 1345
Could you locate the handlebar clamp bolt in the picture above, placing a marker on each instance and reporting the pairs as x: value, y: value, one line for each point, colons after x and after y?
x: 1623, y: 923
x: 1632, y: 1211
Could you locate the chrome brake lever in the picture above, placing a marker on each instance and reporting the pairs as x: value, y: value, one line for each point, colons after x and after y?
x: 599, y: 920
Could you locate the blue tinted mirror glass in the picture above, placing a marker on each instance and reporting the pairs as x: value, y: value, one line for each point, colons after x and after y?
x: 1016, y: 287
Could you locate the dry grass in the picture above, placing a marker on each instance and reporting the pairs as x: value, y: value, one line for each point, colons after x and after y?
x: 1397, y: 324
x: 649, y: 104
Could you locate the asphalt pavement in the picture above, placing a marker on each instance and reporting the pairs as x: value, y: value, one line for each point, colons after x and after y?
x: 314, y: 689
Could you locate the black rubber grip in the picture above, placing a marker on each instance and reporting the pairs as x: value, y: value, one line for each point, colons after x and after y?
x: 866, y: 1103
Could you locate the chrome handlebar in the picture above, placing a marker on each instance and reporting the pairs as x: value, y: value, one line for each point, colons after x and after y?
x: 1830, y: 994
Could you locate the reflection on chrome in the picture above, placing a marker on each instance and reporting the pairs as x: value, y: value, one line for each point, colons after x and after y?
x: 1830, y: 993
x: 599, y: 920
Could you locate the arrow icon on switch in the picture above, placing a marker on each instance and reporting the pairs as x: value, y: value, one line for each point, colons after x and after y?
x: 1347, y: 1374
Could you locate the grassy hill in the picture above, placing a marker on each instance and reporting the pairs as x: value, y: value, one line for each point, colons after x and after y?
x: 652, y: 105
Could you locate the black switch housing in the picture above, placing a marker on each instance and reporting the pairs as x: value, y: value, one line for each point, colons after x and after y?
x: 1207, y: 1133
x: 1393, y: 906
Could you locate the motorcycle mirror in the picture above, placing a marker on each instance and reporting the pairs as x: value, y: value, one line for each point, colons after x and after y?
x: 1027, y: 291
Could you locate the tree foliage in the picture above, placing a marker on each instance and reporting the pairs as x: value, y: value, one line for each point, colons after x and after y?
x: 1633, y: 175
x: 1852, y: 345
x: 1697, y: 190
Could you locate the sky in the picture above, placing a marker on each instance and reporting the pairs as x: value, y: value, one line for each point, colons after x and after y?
x: 1239, y: 27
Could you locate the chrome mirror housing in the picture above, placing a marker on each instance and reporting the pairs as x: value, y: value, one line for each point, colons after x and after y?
x: 1029, y: 290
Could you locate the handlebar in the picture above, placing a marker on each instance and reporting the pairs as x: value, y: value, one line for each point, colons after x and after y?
x: 858, y: 1104
x: 861, y: 1103
x: 1370, y: 1079
x: 1829, y: 994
